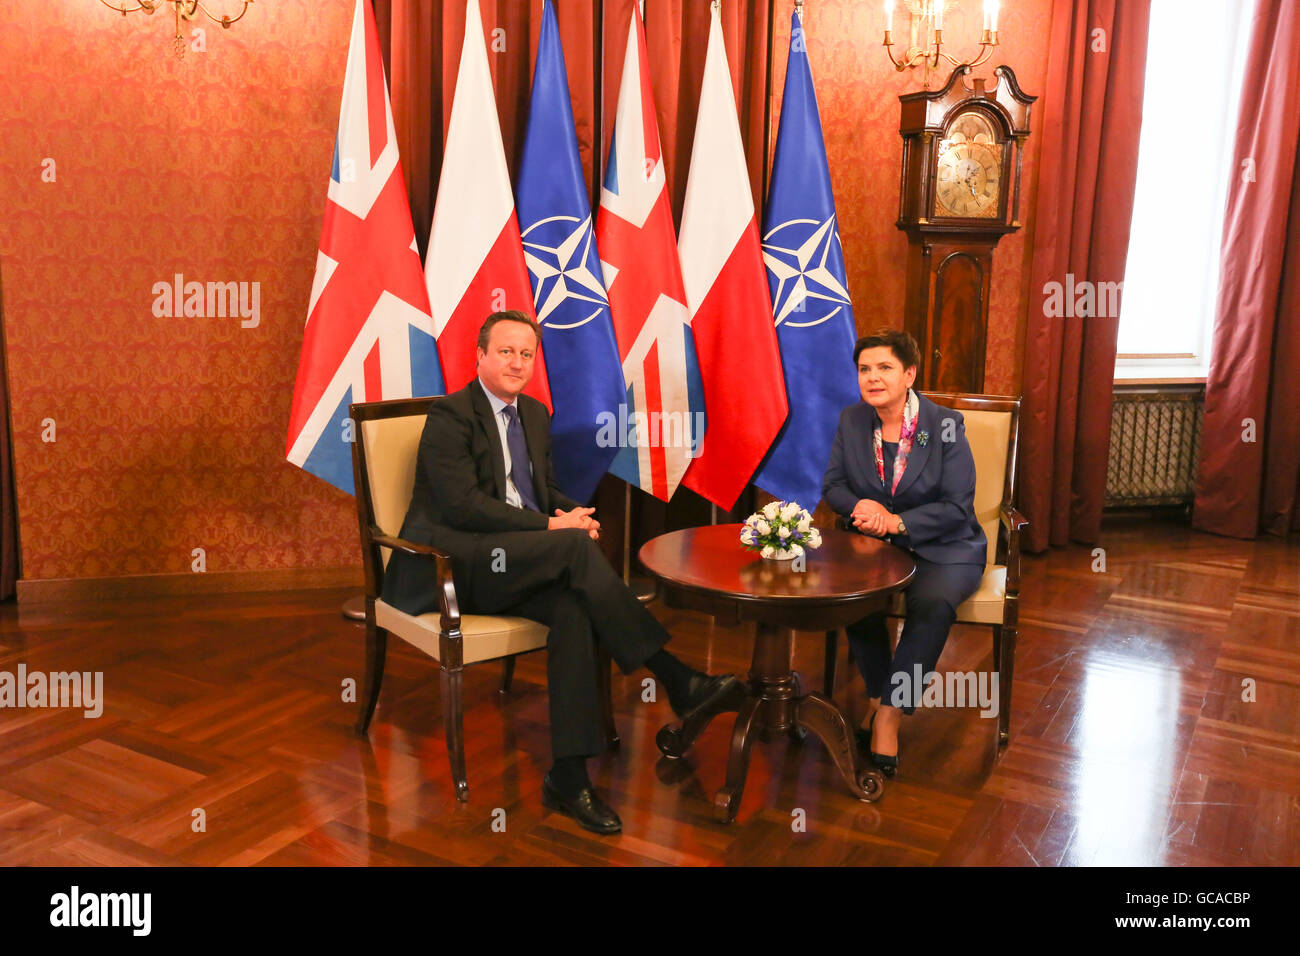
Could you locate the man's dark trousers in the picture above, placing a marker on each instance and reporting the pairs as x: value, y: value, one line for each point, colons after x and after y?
x: 563, y: 580
x: 506, y: 561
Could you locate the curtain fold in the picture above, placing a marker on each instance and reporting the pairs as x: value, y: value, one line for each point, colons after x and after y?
x: 1249, y: 475
x: 9, y: 555
x: 425, y: 55
x: 1092, y: 121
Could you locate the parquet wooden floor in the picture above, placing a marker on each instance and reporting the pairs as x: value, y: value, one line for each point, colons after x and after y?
x: 1131, y: 740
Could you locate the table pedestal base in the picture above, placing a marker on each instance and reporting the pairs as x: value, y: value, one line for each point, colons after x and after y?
x: 772, y: 706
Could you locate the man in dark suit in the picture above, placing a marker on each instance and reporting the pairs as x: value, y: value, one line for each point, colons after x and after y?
x: 485, y: 493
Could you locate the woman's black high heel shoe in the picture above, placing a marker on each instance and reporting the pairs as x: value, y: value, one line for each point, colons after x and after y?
x: 863, y: 737
x: 888, y: 764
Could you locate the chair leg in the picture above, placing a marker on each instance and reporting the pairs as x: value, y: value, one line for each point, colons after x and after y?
x: 605, y: 684
x: 452, y: 721
x: 832, y: 650
x: 997, y: 666
x: 507, y: 673
x: 1004, y: 654
x: 376, y: 652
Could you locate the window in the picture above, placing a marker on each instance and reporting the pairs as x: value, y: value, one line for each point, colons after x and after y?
x: 1195, y: 59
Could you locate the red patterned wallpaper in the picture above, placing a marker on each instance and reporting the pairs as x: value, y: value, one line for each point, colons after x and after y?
x: 169, y: 432
x: 857, y: 93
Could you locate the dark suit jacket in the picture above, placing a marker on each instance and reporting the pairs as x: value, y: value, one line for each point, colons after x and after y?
x: 459, y: 497
x: 936, y: 495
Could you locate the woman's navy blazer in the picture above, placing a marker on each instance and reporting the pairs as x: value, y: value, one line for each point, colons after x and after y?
x: 936, y: 495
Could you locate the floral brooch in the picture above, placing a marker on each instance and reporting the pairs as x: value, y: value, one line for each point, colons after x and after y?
x: 922, y: 438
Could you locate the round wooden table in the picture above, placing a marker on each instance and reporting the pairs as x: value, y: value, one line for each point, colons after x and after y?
x: 848, y: 577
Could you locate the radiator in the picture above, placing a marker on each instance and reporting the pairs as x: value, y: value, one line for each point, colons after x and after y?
x: 1155, y: 445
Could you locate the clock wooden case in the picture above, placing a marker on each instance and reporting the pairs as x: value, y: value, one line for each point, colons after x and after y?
x: 959, y: 194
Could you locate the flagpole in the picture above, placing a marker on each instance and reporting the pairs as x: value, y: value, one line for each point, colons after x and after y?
x: 354, y: 608
x: 598, y: 125
x: 598, y: 162
x: 641, y: 586
x: 627, y: 532
x: 760, y: 204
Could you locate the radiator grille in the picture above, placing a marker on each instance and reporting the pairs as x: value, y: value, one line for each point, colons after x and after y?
x: 1155, y: 444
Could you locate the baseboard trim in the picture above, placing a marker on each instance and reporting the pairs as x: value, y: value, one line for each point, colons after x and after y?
x: 164, y: 585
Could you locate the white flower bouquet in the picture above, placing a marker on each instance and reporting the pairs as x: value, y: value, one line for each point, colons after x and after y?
x: 781, y: 530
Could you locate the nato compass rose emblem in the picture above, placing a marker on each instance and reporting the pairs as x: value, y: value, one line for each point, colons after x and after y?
x: 796, y: 256
x: 557, y: 250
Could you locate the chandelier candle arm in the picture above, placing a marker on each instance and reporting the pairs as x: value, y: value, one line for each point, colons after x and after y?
x: 929, y: 22
x: 225, y: 19
x: 186, y: 10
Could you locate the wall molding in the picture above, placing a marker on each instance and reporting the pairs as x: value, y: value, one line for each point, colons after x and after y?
x: 165, y: 585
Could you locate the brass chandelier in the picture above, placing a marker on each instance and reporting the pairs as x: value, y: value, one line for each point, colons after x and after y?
x: 185, y: 10
x: 926, y: 30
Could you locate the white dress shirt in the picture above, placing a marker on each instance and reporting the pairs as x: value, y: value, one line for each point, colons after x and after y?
x: 498, y: 411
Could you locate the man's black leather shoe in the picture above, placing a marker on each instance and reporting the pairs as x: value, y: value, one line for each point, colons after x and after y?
x: 701, y: 691
x: 591, y: 812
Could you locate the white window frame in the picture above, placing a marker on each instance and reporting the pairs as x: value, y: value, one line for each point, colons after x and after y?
x: 1168, y: 19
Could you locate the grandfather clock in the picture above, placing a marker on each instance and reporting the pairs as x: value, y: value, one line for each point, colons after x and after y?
x: 959, y: 194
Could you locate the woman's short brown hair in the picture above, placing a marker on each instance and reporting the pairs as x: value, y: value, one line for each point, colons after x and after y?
x: 513, y: 315
x: 900, y: 343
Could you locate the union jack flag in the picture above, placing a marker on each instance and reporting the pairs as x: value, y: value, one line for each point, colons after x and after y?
x: 647, y: 300
x: 369, y: 333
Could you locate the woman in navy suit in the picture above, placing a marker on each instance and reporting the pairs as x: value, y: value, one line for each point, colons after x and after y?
x: 901, y: 469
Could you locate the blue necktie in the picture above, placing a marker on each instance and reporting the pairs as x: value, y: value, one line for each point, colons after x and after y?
x: 519, y: 472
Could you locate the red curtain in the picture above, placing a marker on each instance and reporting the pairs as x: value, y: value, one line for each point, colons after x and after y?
x: 425, y: 55
x: 8, y: 502
x: 1092, y: 120
x: 1249, y: 477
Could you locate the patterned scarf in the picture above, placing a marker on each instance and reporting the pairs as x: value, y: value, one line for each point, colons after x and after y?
x: 904, y: 441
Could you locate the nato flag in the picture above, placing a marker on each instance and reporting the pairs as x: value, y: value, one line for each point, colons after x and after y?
x: 810, y: 298
x: 560, y: 248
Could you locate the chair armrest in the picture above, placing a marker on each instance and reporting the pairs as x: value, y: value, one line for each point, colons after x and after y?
x: 410, y: 547
x: 1013, y: 519
x: 449, y: 606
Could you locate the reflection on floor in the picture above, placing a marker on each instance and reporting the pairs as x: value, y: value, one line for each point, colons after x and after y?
x: 1156, y: 720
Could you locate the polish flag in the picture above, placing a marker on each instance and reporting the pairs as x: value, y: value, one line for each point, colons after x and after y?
x: 475, y: 264
x: 727, y: 295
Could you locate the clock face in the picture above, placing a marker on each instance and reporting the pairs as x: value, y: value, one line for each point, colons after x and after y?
x: 968, y: 175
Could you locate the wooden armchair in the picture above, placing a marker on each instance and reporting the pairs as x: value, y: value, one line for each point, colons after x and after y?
x: 993, y: 429
x: 383, y: 467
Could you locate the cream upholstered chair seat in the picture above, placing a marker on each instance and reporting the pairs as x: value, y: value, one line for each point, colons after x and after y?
x: 384, y: 458
x: 486, y: 636
x: 985, y: 606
